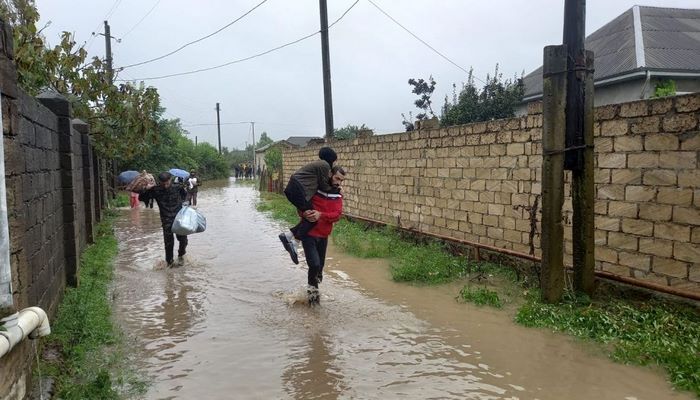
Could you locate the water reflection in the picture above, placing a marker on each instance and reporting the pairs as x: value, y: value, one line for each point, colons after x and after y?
x: 313, y: 374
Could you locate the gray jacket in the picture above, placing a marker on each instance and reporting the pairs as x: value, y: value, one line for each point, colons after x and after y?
x: 314, y: 176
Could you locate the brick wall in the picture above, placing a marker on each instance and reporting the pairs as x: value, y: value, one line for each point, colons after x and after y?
x: 51, y: 191
x: 481, y: 182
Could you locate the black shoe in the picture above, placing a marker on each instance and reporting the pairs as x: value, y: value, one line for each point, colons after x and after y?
x: 313, y: 295
x: 290, y: 247
x: 319, y: 278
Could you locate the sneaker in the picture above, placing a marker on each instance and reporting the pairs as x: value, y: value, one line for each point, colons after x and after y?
x: 180, y: 261
x: 289, y: 245
x: 170, y: 264
x: 313, y: 295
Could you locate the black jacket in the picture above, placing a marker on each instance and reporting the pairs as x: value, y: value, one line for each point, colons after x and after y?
x: 169, y: 201
x: 314, y: 176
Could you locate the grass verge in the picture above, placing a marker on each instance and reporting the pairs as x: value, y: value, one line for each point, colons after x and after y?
x: 120, y: 200
x: 91, y: 362
x: 643, y: 332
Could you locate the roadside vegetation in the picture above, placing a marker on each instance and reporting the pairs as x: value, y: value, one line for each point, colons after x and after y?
x: 85, y: 354
x: 633, y: 328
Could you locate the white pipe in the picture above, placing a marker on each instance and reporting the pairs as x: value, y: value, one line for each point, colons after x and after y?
x: 31, y: 322
x: 5, y: 271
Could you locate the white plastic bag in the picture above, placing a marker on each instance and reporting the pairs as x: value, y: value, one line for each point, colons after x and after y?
x: 189, y: 221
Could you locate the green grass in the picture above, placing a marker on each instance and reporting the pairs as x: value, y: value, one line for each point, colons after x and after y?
x: 650, y: 332
x: 481, y: 296
x: 93, y: 358
x: 121, y: 200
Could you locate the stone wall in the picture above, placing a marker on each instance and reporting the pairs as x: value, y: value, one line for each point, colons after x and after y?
x: 51, y: 192
x: 481, y: 182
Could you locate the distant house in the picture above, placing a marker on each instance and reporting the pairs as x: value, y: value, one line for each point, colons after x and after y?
x: 289, y: 143
x: 634, y: 52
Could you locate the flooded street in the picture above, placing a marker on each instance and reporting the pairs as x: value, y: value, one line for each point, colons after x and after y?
x: 230, y: 325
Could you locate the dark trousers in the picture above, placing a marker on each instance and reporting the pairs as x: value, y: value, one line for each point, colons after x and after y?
x: 170, y: 243
x: 297, y: 196
x: 192, y: 198
x: 315, y: 252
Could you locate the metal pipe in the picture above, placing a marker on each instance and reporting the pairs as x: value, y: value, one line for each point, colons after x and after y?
x: 599, y: 274
x: 5, y: 268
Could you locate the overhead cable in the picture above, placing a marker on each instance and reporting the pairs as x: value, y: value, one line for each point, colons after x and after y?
x: 142, y: 18
x: 422, y: 41
x: 249, y: 57
x: 197, y: 40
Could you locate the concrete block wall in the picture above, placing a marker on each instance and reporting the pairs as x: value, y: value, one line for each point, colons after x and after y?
x: 48, y: 164
x: 481, y: 182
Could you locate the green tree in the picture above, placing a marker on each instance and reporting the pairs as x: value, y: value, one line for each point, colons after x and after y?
x: 350, y: 131
x: 123, y: 118
x: 497, y: 99
x: 273, y: 159
x: 424, y: 89
x: 264, y: 141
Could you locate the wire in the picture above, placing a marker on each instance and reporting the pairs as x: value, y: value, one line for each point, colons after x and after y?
x: 422, y: 41
x: 142, y: 18
x: 250, y: 57
x: 111, y: 11
x: 197, y: 40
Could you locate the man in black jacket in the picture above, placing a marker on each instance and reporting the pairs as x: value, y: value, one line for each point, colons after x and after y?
x: 169, y: 197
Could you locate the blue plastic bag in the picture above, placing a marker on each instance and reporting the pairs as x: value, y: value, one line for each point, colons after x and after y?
x: 189, y: 221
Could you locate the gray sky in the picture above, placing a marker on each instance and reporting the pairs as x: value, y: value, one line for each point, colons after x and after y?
x: 371, y: 57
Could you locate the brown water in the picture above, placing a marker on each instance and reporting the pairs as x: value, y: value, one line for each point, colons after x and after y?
x: 231, y: 324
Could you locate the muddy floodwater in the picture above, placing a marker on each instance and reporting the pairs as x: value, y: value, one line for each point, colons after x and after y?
x: 231, y: 324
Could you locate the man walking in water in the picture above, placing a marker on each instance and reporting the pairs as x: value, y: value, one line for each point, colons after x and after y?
x: 327, y: 209
x: 302, y: 185
x: 169, y: 197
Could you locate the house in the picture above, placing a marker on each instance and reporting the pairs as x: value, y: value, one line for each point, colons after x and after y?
x: 635, y: 52
x: 289, y: 143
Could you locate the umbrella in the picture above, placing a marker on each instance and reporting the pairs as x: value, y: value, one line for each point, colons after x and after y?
x: 179, y: 173
x: 127, y: 176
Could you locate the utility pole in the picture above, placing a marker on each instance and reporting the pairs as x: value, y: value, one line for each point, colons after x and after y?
x: 218, y: 126
x: 567, y: 144
x: 108, y: 52
x: 579, y: 143
x: 195, y: 141
x: 252, y: 125
x: 325, y: 56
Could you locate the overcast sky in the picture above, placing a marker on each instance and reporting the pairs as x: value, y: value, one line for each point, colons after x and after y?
x: 371, y: 57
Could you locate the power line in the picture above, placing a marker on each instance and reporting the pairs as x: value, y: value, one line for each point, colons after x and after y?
x: 142, y: 18
x: 250, y: 57
x: 197, y: 40
x: 111, y: 10
x: 422, y: 41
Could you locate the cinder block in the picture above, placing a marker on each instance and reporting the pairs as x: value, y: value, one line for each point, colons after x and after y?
x: 679, y: 123
x: 663, y: 142
x: 657, y: 247
x: 669, y: 267
x: 686, y: 215
x: 659, y: 177
x: 689, y: 252
x: 614, y: 128
x: 637, y: 227
x: 678, y: 160
x: 655, y: 212
x: 675, y: 196
x: 634, y: 109
x: 672, y: 231
x: 628, y: 143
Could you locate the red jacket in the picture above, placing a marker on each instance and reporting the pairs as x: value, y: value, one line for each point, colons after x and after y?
x: 331, y: 208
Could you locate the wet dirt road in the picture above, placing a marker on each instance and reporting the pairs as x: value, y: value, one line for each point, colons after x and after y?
x: 227, y: 325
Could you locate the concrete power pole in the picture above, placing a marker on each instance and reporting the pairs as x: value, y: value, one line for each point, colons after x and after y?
x: 218, y: 126
x: 108, y: 57
x: 252, y: 125
x: 325, y: 55
x: 567, y: 143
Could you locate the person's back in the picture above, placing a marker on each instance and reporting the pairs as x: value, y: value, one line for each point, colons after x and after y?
x: 169, y: 200
x: 314, y: 176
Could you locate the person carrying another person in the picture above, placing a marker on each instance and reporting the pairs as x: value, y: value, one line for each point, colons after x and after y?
x: 169, y: 197
x: 327, y: 209
x: 303, y: 184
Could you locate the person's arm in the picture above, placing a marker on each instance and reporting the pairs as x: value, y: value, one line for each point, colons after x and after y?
x: 147, y: 195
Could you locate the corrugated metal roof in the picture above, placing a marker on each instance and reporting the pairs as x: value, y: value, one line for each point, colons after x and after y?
x: 671, y: 38
x: 301, y: 141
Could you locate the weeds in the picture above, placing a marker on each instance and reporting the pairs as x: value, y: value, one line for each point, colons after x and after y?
x: 480, y: 296
x: 639, y: 332
x: 93, y: 362
x: 120, y: 200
